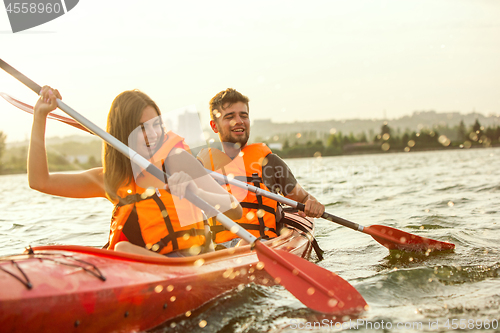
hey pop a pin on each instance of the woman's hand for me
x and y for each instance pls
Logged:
(47, 101)
(179, 183)
(207, 188)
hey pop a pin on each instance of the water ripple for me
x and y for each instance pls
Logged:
(445, 195)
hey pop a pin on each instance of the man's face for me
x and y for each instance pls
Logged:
(233, 124)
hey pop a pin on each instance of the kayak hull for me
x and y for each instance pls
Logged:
(82, 289)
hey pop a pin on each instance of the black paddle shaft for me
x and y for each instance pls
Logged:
(333, 218)
(339, 220)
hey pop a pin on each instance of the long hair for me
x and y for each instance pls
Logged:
(124, 116)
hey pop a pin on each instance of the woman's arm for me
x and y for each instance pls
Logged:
(179, 161)
(86, 184)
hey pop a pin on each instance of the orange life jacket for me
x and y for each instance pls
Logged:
(259, 213)
(149, 218)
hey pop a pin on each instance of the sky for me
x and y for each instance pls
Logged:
(295, 60)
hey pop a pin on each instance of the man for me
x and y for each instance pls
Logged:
(229, 113)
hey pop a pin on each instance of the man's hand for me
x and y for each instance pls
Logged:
(313, 208)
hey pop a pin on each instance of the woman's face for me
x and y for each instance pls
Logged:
(151, 133)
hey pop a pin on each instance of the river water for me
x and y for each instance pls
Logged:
(445, 195)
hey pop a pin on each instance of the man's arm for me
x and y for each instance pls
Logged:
(279, 178)
(313, 208)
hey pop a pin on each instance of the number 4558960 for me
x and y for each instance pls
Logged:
(463, 324)
(31, 7)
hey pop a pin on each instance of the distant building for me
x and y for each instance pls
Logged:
(262, 122)
(275, 146)
(82, 159)
(189, 126)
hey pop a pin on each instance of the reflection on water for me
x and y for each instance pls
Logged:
(33, 218)
(450, 196)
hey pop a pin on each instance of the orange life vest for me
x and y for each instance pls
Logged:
(259, 213)
(149, 218)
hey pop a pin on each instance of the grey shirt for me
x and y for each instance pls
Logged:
(277, 176)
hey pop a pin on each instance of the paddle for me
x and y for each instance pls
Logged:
(391, 238)
(28, 108)
(315, 287)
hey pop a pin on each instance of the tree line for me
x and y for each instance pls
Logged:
(390, 140)
(66, 156)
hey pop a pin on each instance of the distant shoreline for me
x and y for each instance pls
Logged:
(358, 152)
(414, 150)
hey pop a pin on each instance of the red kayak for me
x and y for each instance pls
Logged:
(82, 289)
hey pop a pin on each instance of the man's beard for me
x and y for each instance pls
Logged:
(241, 141)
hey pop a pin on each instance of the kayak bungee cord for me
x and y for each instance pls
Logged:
(84, 265)
(391, 238)
(26, 280)
(318, 289)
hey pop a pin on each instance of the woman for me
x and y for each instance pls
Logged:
(146, 220)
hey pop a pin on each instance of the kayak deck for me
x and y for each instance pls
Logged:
(81, 289)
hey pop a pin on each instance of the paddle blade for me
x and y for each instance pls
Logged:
(395, 239)
(28, 108)
(316, 287)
